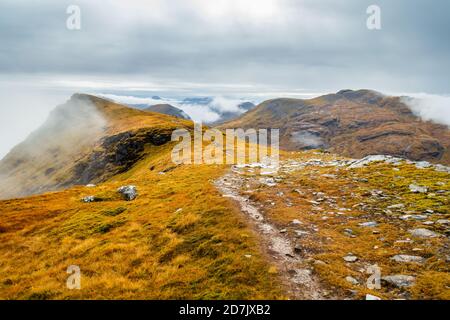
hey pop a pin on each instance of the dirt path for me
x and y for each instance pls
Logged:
(294, 273)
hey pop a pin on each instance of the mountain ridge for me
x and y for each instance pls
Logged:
(351, 123)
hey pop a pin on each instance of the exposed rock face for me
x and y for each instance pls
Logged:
(117, 154)
(351, 123)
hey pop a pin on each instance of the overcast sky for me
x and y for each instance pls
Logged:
(241, 48)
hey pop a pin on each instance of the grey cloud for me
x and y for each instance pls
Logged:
(309, 44)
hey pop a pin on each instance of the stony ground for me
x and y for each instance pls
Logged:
(350, 229)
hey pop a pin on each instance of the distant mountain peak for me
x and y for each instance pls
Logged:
(353, 123)
(168, 109)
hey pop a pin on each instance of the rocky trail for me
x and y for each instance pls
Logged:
(328, 224)
(279, 247)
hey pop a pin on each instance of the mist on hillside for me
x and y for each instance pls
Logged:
(22, 111)
(199, 109)
(69, 129)
(429, 107)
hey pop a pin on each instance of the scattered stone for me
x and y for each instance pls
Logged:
(423, 233)
(270, 182)
(90, 185)
(417, 189)
(349, 232)
(283, 230)
(372, 297)
(443, 221)
(441, 168)
(248, 256)
(428, 223)
(368, 224)
(350, 258)
(374, 158)
(296, 222)
(396, 206)
(129, 193)
(423, 164)
(399, 281)
(403, 258)
(319, 263)
(414, 217)
(89, 199)
(351, 280)
(300, 233)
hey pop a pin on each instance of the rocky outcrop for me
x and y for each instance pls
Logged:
(117, 154)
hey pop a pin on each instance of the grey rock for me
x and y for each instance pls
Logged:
(400, 280)
(403, 258)
(423, 233)
(351, 280)
(414, 217)
(300, 233)
(89, 199)
(128, 192)
(350, 258)
(423, 164)
(368, 224)
(374, 158)
(396, 206)
(417, 189)
(443, 221)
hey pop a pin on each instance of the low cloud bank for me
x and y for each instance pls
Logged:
(200, 109)
(429, 107)
(22, 111)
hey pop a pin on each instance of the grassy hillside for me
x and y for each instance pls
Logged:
(185, 237)
(180, 239)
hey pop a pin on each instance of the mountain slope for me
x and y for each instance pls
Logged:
(85, 140)
(351, 123)
(169, 110)
(309, 231)
(179, 239)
